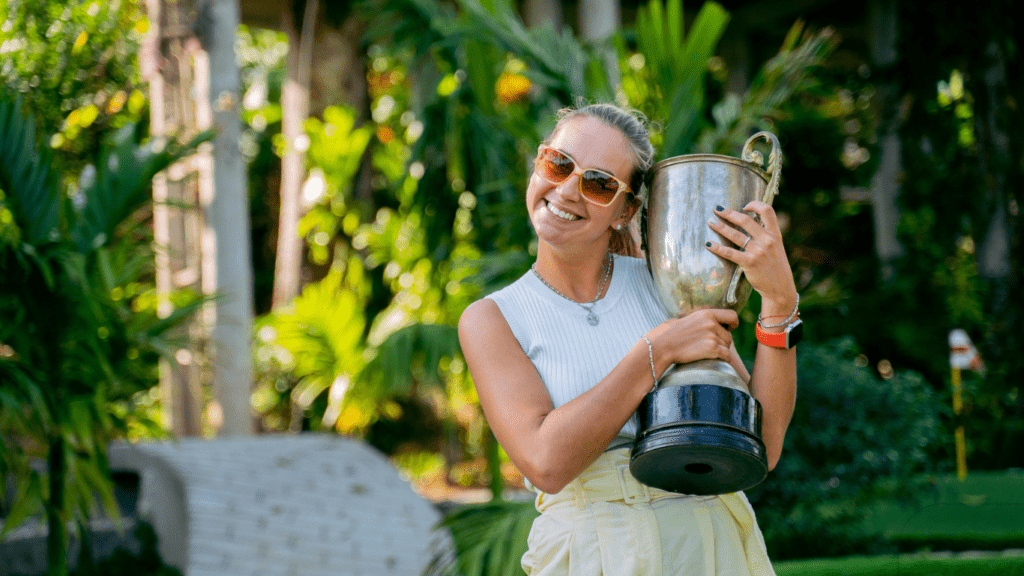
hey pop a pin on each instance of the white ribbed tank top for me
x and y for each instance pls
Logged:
(572, 356)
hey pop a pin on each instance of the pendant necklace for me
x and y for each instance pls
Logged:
(592, 318)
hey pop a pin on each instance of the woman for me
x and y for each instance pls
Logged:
(562, 358)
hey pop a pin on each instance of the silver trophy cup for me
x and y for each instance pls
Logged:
(700, 428)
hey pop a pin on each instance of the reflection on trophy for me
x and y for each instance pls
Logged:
(700, 428)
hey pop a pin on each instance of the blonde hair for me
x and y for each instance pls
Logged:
(633, 125)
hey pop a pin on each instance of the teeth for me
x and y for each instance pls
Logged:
(562, 215)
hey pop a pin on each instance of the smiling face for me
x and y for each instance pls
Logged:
(560, 215)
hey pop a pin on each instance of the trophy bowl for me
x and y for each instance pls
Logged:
(700, 428)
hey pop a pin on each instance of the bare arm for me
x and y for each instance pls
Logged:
(552, 446)
(774, 385)
(765, 264)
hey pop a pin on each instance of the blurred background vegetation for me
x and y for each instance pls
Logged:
(413, 209)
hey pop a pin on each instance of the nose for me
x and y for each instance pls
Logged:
(570, 189)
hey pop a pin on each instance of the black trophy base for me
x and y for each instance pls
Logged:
(699, 439)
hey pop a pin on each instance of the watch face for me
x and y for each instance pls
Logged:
(794, 333)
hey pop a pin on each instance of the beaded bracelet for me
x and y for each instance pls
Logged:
(792, 314)
(650, 354)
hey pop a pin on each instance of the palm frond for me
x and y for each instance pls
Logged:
(678, 65)
(409, 355)
(788, 73)
(490, 540)
(124, 175)
(30, 187)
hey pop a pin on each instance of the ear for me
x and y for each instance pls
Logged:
(629, 208)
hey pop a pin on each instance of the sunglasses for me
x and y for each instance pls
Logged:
(596, 186)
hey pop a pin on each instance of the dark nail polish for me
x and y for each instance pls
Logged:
(708, 244)
(719, 208)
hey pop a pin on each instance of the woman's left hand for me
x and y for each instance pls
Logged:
(762, 257)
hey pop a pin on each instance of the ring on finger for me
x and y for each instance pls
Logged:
(744, 245)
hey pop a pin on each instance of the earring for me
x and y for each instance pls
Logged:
(618, 227)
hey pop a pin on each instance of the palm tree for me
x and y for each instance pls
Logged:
(77, 336)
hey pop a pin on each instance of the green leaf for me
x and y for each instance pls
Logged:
(408, 355)
(83, 425)
(26, 503)
(675, 25)
(25, 176)
(678, 66)
(96, 477)
(122, 185)
(490, 539)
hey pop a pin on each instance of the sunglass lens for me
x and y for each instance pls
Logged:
(556, 166)
(598, 187)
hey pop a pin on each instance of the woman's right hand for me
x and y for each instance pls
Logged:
(701, 334)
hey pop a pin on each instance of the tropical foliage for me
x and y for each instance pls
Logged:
(855, 439)
(75, 64)
(81, 331)
(417, 211)
(462, 96)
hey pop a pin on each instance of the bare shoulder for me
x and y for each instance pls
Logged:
(486, 337)
(480, 318)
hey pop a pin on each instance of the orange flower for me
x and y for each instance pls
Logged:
(511, 87)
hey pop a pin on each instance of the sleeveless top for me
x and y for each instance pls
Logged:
(570, 355)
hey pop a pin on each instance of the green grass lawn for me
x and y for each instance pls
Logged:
(904, 565)
(984, 512)
(985, 507)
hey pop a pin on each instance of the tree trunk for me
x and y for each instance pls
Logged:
(339, 78)
(227, 256)
(599, 19)
(538, 13)
(295, 99)
(1003, 338)
(885, 184)
(56, 538)
(993, 143)
(497, 483)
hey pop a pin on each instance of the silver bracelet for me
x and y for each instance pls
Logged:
(796, 308)
(650, 354)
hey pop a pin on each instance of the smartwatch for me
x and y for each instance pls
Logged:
(786, 339)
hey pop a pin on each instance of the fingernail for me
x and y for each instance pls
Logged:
(719, 208)
(708, 244)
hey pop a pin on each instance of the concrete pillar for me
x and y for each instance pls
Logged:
(537, 13)
(599, 18)
(224, 197)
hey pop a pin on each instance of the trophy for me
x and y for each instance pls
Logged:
(700, 428)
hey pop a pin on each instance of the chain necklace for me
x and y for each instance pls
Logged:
(592, 318)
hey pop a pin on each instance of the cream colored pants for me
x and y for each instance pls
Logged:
(607, 523)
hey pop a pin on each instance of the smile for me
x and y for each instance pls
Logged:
(559, 213)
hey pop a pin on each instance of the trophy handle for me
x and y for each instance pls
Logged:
(772, 190)
(774, 162)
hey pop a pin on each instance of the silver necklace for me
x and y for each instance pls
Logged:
(592, 318)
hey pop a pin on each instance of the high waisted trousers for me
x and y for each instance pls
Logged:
(605, 522)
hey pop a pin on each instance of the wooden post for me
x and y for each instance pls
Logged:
(959, 435)
(166, 65)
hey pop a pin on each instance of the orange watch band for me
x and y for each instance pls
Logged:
(785, 339)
